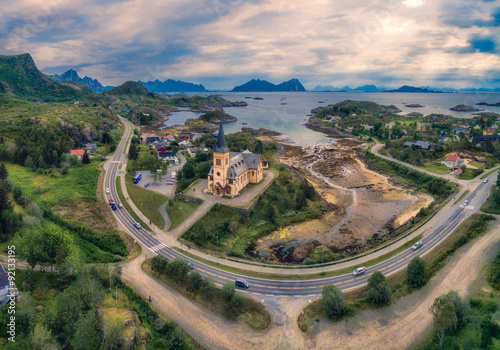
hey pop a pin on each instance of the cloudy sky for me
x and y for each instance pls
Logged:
(223, 43)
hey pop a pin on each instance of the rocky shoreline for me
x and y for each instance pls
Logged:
(330, 131)
(464, 108)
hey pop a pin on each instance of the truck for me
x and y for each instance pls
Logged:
(112, 204)
(174, 174)
(137, 178)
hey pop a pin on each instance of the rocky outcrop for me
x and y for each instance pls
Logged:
(260, 132)
(464, 108)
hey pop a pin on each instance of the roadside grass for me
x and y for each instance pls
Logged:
(254, 313)
(489, 206)
(477, 165)
(147, 201)
(436, 168)
(301, 276)
(488, 174)
(179, 210)
(127, 206)
(194, 183)
(468, 230)
(461, 197)
(469, 174)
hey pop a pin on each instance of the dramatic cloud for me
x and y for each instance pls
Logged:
(222, 43)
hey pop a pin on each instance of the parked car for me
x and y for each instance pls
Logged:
(241, 283)
(146, 184)
(137, 225)
(416, 245)
(170, 182)
(107, 190)
(359, 271)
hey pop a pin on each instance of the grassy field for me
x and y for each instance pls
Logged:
(147, 201)
(179, 210)
(488, 174)
(303, 276)
(489, 206)
(436, 168)
(468, 174)
(127, 206)
(254, 314)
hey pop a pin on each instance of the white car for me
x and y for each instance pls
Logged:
(465, 202)
(416, 245)
(485, 180)
(107, 190)
(359, 271)
(137, 225)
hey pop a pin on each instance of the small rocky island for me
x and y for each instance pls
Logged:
(464, 108)
(414, 105)
(260, 132)
(497, 104)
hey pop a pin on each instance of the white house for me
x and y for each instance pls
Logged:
(453, 161)
(4, 286)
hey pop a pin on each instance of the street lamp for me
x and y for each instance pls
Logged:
(217, 249)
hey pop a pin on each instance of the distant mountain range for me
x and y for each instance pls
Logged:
(404, 88)
(19, 77)
(72, 75)
(170, 85)
(263, 85)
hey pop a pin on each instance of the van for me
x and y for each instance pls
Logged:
(241, 283)
(174, 174)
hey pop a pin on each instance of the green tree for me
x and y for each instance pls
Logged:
(416, 272)
(133, 153)
(207, 289)
(227, 291)
(195, 280)
(85, 158)
(41, 338)
(333, 301)
(159, 264)
(5, 204)
(179, 341)
(378, 291)
(462, 308)
(189, 170)
(3, 172)
(28, 163)
(68, 308)
(444, 316)
(87, 335)
(113, 335)
(178, 270)
(235, 305)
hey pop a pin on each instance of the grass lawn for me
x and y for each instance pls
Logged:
(147, 201)
(477, 165)
(127, 206)
(467, 174)
(436, 167)
(489, 206)
(179, 210)
(254, 314)
(488, 174)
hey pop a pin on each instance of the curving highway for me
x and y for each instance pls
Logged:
(292, 287)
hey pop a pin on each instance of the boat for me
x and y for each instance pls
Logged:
(244, 123)
(283, 103)
(258, 98)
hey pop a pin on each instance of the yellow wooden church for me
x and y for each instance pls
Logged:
(232, 171)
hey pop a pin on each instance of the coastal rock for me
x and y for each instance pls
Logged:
(260, 132)
(414, 105)
(415, 114)
(497, 104)
(464, 108)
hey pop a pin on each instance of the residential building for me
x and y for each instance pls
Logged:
(457, 171)
(192, 151)
(482, 138)
(4, 286)
(490, 131)
(78, 152)
(91, 147)
(168, 156)
(232, 171)
(453, 161)
(419, 144)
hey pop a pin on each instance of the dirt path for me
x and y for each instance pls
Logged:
(397, 326)
(407, 320)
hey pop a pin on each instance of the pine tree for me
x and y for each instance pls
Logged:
(4, 199)
(3, 172)
(85, 158)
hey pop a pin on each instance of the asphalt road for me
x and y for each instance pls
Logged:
(299, 287)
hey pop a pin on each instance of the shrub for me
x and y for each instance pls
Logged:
(378, 290)
(416, 272)
(333, 301)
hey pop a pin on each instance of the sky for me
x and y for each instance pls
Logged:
(224, 43)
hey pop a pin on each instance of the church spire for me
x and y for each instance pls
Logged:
(221, 141)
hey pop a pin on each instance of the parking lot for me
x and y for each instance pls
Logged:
(160, 186)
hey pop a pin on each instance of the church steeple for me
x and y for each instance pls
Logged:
(221, 141)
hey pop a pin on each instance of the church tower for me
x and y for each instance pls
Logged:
(220, 163)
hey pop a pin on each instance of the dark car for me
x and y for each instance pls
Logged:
(191, 266)
(146, 184)
(241, 283)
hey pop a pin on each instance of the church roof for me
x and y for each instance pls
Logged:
(221, 141)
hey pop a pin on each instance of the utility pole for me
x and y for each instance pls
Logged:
(217, 249)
